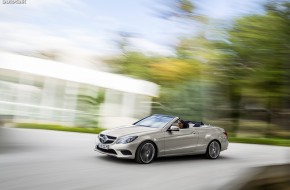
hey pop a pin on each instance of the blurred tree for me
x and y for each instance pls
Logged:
(167, 72)
(257, 60)
(181, 11)
(171, 71)
(253, 62)
(124, 41)
(189, 67)
(133, 64)
(203, 52)
(229, 74)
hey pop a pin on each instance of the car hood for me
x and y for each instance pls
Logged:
(129, 130)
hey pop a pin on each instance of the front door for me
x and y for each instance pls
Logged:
(183, 141)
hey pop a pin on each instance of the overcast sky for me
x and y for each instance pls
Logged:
(91, 27)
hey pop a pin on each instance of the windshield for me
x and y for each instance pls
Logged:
(155, 121)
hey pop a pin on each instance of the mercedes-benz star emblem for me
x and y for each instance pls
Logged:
(104, 139)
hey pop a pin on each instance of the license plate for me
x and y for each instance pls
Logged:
(103, 146)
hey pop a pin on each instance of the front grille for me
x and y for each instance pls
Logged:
(106, 139)
(110, 151)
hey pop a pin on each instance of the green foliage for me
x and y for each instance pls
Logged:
(262, 43)
(184, 100)
(133, 64)
(59, 128)
(179, 79)
(199, 49)
(170, 72)
(255, 62)
(161, 70)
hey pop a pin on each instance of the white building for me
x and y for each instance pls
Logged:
(39, 90)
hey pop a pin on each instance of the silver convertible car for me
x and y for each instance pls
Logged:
(160, 136)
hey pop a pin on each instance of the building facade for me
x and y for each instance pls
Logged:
(39, 90)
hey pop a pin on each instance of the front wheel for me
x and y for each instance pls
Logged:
(145, 153)
(213, 150)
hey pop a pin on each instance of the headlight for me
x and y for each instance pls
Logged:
(125, 140)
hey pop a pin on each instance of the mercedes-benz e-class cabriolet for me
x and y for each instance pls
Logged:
(162, 135)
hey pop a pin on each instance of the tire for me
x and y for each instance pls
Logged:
(213, 150)
(145, 153)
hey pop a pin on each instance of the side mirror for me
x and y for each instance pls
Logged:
(173, 128)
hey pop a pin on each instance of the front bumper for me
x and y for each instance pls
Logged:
(126, 151)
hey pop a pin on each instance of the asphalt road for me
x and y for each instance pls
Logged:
(46, 160)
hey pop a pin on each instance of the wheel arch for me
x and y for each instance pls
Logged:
(155, 146)
(212, 141)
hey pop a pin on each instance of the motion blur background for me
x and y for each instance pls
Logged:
(108, 63)
(85, 65)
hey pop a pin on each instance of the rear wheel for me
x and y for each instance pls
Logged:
(145, 153)
(213, 150)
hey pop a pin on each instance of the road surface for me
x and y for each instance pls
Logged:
(45, 160)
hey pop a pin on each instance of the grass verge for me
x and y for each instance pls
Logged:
(266, 141)
(95, 130)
